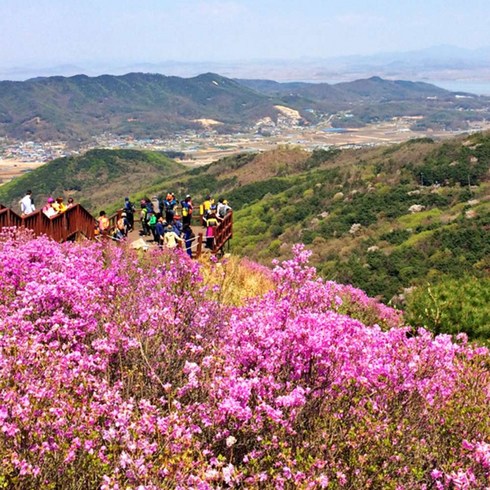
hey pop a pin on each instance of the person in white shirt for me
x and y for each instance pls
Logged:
(26, 204)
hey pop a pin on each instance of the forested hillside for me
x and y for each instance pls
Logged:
(135, 104)
(384, 219)
(392, 216)
(374, 99)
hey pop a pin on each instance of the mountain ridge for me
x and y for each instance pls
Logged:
(80, 107)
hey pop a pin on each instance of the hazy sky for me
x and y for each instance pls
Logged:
(44, 32)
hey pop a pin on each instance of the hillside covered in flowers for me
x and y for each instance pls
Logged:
(126, 371)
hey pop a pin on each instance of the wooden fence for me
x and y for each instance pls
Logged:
(75, 221)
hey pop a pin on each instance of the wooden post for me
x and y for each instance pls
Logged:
(199, 245)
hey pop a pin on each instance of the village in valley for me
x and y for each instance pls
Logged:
(193, 147)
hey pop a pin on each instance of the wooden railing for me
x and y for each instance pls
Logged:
(223, 232)
(9, 218)
(76, 220)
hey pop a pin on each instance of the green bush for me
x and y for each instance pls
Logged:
(452, 306)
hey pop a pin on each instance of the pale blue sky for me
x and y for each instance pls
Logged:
(43, 32)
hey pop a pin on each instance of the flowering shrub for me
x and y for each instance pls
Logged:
(119, 371)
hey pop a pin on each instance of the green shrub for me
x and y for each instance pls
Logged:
(453, 305)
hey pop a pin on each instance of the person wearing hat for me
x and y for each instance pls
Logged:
(48, 208)
(224, 209)
(171, 239)
(122, 226)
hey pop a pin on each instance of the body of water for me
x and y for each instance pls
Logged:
(473, 87)
(477, 87)
(336, 130)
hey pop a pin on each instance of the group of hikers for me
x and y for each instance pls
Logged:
(168, 220)
(51, 208)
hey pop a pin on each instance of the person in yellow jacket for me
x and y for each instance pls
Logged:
(170, 238)
(59, 206)
(205, 207)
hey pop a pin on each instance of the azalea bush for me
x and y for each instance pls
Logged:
(120, 371)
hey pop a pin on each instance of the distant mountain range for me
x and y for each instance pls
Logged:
(443, 62)
(151, 105)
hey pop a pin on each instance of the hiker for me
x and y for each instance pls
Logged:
(149, 205)
(187, 208)
(103, 223)
(170, 238)
(152, 223)
(48, 208)
(59, 206)
(156, 206)
(223, 208)
(145, 229)
(122, 226)
(169, 205)
(160, 229)
(129, 209)
(206, 206)
(188, 236)
(211, 223)
(27, 204)
(70, 203)
(177, 225)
